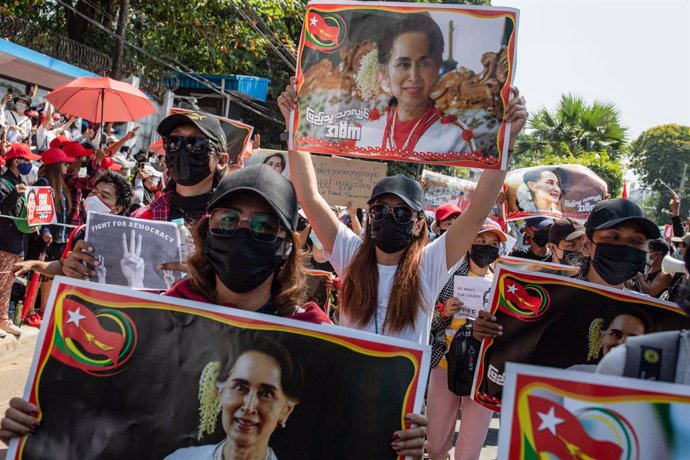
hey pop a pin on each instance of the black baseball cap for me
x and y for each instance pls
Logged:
(24, 97)
(539, 223)
(659, 245)
(207, 124)
(613, 212)
(565, 229)
(272, 186)
(408, 190)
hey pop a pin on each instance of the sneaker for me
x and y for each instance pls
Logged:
(11, 328)
(33, 320)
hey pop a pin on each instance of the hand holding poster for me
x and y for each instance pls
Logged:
(123, 374)
(440, 189)
(560, 322)
(40, 208)
(343, 180)
(129, 251)
(353, 99)
(551, 413)
(473, 292)
(553, 191)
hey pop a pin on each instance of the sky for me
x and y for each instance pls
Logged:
(635, 53)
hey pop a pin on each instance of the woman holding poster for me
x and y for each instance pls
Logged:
(410, 56)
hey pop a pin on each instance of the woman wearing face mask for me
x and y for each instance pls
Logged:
(614, 248)
(246, 258)
(18, 123)
(80, 185)
(536, 236)
(442, 404)
(18, 159)
(392, 277)
(147, 184)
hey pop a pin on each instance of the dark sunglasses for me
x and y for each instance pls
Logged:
(379, 211)
(192, 144)
(263, 226)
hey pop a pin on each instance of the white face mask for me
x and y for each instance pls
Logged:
(93, 203)
(20, 107)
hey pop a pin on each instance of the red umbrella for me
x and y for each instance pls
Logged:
(157, 147)
(101, 99)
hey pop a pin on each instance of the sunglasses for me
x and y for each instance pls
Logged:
(379, 211)
(192, 144)
(264, 227)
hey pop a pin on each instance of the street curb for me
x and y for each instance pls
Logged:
(13, 345)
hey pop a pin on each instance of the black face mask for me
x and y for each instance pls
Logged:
(617, 263)
(569, 257)
(241, 262)
(188, 168)
(540, 238)
(391, 236)
(483, 255)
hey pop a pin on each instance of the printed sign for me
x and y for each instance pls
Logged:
(355, 98)
(342, 180)
(40, 208)
(122, 374)
(276, 159)
(440, 189)
(473, 292)
(552, 413)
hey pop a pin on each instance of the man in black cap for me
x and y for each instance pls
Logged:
(16, 122)
(196, 158)
(654, 282)
(536, 235)
(565, 240)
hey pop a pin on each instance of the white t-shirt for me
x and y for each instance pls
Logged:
(434, 276)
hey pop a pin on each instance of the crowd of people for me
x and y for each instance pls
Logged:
(256, 233)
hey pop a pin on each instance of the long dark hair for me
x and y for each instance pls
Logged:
(53, 173)
(360, 285)
(414, 22)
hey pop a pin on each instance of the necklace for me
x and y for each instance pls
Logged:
(428, 118)
(218, 451)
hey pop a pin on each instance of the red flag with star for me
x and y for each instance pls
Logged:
(518, 295)
(317, 27)
(557, 431)
(81, 325)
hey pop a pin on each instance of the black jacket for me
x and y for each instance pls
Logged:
(11, 239)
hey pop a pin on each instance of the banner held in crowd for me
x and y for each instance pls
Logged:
(352, 100)
(528, 265)
(40, 208)
(129, 251)
(343, 180)
(559, 322)
(125, 374)
(559, 414)
(440, 189)
(553, 191)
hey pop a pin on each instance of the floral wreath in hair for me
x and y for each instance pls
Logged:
(525, 199)
(209, 399)
(594, 339)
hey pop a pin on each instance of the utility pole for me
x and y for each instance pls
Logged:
(682, 180)
(118, 53)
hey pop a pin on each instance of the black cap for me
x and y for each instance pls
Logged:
(565, 229)
(409, 190)
(539, 223)
(272, 186)
(659, 245)
(610, 213)
(207, 124)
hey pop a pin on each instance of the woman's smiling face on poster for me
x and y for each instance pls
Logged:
(253, 403)
(411, 71)
(547, 188)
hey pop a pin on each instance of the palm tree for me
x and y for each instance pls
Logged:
(576, 127)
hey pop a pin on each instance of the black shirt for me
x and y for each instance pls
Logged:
(189, 208)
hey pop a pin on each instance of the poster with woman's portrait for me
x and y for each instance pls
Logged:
(440, 189)
(121, 374)
(409, 82)
(276, 159)
(553, 191)
(560, 322)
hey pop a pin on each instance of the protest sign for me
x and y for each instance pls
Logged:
(130, 250)
(238, 135)
(473, 292)
(119, 373)
(553, 191)
(551, 413)
(559, 322)
(276, 159)
(40, 208)
(342, 180)
(668, 231)
(538, 266)
(440, 189)
(352, 100)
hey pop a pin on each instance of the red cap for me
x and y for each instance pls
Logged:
(446, 210)
(21, 150)
(75, 149)
(52, 156)
(109, 163)
(56, 116)
(58, 142)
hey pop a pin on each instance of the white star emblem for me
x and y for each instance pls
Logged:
(512, 289)
(313, 21)
(75, 316)
(549, 421)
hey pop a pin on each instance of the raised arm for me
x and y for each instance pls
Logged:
(322, 220)
(463, 231)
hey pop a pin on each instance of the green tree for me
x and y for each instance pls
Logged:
(661, 155)
(575, 127)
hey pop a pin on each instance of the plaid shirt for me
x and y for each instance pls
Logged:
(78, 188)
(159, 209)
